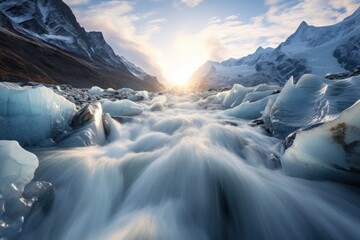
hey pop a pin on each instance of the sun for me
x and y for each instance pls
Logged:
(179, 75)
(180, 69)
(182, 58)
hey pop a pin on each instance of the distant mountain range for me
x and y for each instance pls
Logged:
(318, 50)
(41, 40)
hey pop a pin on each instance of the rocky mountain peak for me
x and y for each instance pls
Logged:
(52, 22)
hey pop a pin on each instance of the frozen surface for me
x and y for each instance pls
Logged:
(330, 151)
(234, 96)
(122, 108)
(30, 115)
(312, 100)
(250, 110)
(17, 168)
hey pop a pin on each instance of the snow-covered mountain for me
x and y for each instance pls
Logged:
(135, 70)
(318, 50)
(52, 22)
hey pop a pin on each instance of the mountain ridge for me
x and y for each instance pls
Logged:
(53, 23)
(310, 49)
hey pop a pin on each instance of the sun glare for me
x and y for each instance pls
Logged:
(182, 59)
(179, 74)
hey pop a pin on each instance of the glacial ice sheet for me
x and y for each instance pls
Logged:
(122, 108)
(330, 151)
(310, 101)
(30, 115)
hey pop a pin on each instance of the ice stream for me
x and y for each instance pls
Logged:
(188, 172)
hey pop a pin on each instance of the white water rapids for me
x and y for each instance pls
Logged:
(188, 172)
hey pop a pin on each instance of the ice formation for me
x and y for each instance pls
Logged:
(329, 151)
(16, 171)
(312, 100)
(30, 115)
(17, 168)
(122, 108)
(245, 102)
(234, 96)
(250, 110)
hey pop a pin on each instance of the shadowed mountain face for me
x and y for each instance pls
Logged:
(47, 44)
(310, 49)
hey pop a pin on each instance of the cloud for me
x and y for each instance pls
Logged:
(191, 3)
(229, 37)
(76, 2)
(118, 22)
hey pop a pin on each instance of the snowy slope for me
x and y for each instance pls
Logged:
(53, 22)
(135, 70)
(310, 49)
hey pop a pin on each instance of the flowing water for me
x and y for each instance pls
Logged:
(188, 172)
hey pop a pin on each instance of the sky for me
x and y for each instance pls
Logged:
(172, 38)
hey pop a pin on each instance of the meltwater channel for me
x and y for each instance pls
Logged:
(188, 172)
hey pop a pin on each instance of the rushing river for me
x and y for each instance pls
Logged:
(188, 172)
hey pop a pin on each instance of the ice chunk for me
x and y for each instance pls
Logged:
(30, 115)
(234, 96)
(219, 97)
(17, 192)
(122, 108)
(311, 101)
(17, 168)
(249, 110)
(97, 91)
(330, 151)
(255, 96)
